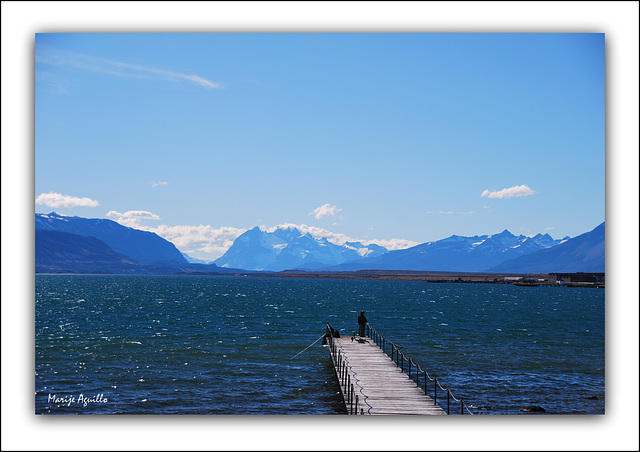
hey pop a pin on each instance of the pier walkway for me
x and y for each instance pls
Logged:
(372, 383)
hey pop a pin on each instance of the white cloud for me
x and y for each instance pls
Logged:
(324, 210)
(132, 218)
(391, 245)
(138, 214)
(49, 55)
(56, 200)
(511, 192)
(199, 240)
(450, 212)
(156, 184)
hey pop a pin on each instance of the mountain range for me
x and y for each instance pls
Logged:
(457, 253)
(288, 248)
(584, 253)
(74, 244)
(141, 246)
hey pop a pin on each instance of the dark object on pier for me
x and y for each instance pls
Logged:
(331, 331)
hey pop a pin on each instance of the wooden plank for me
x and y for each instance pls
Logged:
(382, 387)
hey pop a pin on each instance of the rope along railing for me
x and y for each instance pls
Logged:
(344, 372)
(399, 358)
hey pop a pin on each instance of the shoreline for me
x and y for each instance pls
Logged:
(577, 279)
(519, 279)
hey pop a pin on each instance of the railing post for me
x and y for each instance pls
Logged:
(402, 361)
(356, 404)
(448, 396)
(461, 406)
(435, 389)
(351, 392)
(425, 381)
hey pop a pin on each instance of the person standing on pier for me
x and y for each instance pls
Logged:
(362, 322)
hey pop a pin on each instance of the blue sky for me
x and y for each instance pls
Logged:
(395, 138)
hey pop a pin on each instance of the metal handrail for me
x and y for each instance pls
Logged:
(343, 373)
(395, 349)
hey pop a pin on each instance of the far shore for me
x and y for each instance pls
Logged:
(577, 279)
(523, 279)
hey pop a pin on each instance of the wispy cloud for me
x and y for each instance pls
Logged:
(511, 192)
(450, 212)
(324, 210)
(391, 244)
(47, 55)
(157, 184)
(57, 200)
(132, 218)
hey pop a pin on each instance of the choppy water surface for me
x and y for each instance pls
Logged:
(224, 345)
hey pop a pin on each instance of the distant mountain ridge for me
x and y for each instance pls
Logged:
(584, 253)
(456, 253)
(57, 251)
(141, 246)
(289, 248)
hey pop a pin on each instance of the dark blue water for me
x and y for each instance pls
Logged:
(224, 345)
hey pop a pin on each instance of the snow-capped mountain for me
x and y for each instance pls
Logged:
(457, 253)
(288, 248)
(584, 253)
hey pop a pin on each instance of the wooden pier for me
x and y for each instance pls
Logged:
(372, 383)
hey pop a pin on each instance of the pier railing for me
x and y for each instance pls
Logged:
(344, 372)
(407, 366)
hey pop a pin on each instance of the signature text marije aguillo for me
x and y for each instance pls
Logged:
(80, 400)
